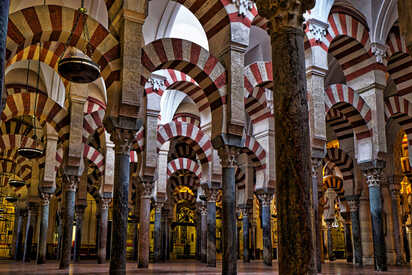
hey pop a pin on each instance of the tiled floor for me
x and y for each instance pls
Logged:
(182, 267)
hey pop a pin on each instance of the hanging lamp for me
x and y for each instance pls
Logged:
(33, 151)
(11, 199)
(13, 180)
(75, 66)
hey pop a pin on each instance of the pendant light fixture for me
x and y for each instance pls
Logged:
(75, 66)
(35, 150)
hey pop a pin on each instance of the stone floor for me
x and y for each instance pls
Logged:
(182, 267)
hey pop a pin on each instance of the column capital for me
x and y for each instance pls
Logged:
(228, 156)
(159, 206)
(379, 50)
(211, 193)
(316, 164)
(245, 209)
(265, 197)
(123, 140)
(373, 171)
(147, 188)
(284, 13)
(353, 202)
(79, 209)
(203, 209)
(71, 182)
(45, 199)
(104, 203)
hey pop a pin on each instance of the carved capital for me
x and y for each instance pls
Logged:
(211, 194)
(245, 209)
(71, 182)
(158, 206)
(45, 199)
(379, 51)
(284, 13)
(265, 198)
(243, 6)
(228, 156)
(147, 189)
(104, 203)
(317, 29)
(123, 140)
(353, 204)
(203, 209)
(316, 164)
(374, 177)
(157, 84)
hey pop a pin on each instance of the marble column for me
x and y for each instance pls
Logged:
(27, 223)
(353, 202)
(203, 230)
(253, 240)
(16, 233)
(406, 243)
(122, 139)
(211, 227)
(144, 241)
(293, 167)
(44, 226)
(104, 209)
(157, 231)
(348, 237)
(78, 234)
(395, 187)
(70, 184)
(228, 155)
(198, 236)
(373, 173)
(245, 223)
(4, 12)
(34, 210)
(265, 198)
(316, 195)
(331, 254)
(165, 244)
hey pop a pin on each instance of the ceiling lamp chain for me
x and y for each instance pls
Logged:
(75, 66)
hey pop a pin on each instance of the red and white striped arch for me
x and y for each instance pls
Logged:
(344, 162)
(94, 156)
(255, 151)
(352, 106)
(176, 129)
(46, 111)
(92, 122)
(340, 125)
(138, 144)
(188, 118)
(190, 180)
(198, 63)
(184, 164)
(399, 62)
(47, 23)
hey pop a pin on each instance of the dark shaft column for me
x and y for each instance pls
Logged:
(122, 141)
(203, 227)
(16, 233)
(405, 243)
(292, 144)
(157, 231)
(78, 234)
(198, 236)
(27, 238)
(245, 223)
(348, 237)
(102, 247)
(144, 244)
(211, 232)
(373, 178)
(317, 194)
(228, 156)
(253, 241)
(70, 184)
(44, 226)
(396, 221)
(4, 14)
(265, 199)
(356, 231)
(331, 254)
(165, 244)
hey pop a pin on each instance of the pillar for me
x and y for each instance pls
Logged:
(353, 202)
(245, 224)
(394, 188)
(144, 242)
(253, 239)
(331, 254)
(203, 233)
(406, 243)
(373, 173)
(16, 233)
(70, 184)
(198, 236)
(27, 238)
(165, 237)
(211, 227)
(44, 226)
(228, 155)
(34, 214)
(4, 11)
(316, 195)
(293, 167)
(348, 237)
(78, 234)
(102, 247)
(265, 199)
(157, 231)
(122, 139)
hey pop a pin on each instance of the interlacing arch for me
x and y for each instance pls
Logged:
(94, 156)
(188, 118)
(92, 122)
(17, 165)
(255, 151)
(352, 106)
(400, 110)
(190, 58)
(339, 123)
(184, 164)
(175, 129)
(48, 23)
(399, 62)
(189, 180)
(46, 111)
(344, 162)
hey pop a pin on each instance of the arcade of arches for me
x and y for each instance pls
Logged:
(229, 135)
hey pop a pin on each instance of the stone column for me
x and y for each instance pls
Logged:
(405, 241)
(265, 198)
(253, 239)
(26, 235)
(122, 139)
(348, 236)
(395, 188)
(331, 254)
(16, 233)
(373, 173)
(245, 223)
(104, 209)
(44, 226)
(198, 236)
(78, 235)
(293, 167)
(70, 184)
(157, 231)
(144, 242)
(228, 155)
(203, 230)
(316, 220)
(4, 12)
(211, 227)
(34, 209)
(353, 202)
(165, 229)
